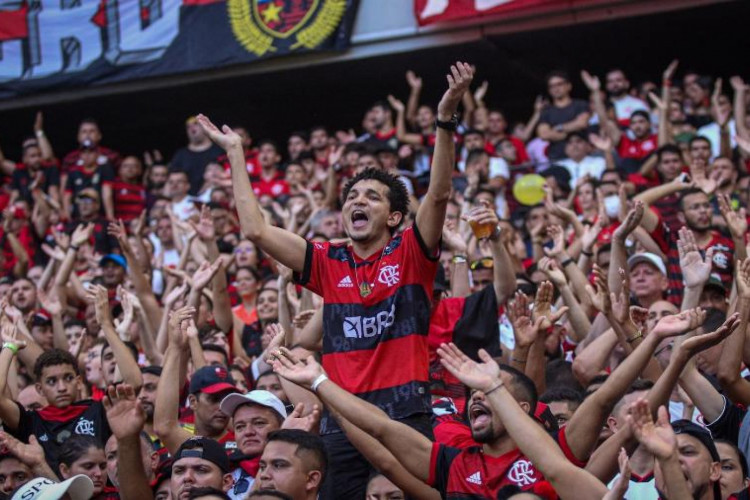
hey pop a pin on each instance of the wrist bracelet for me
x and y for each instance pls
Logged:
(11, 346)
(517, 360)
(635, 337)
(496, 233)
(566, 262)
(587, 254)
(498, 386)
(76, 248)
(321, 378)
(459, 259)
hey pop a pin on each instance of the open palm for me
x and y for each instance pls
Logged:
(302, 373)
(481, 376)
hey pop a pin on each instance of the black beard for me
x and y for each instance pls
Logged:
(486, 436)
(697, 229)
(619, 93)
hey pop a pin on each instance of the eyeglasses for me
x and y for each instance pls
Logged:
(483, 263)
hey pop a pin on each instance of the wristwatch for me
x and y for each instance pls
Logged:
(459, 259)
(451, 125)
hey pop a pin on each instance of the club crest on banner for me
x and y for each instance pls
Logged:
(261, 25)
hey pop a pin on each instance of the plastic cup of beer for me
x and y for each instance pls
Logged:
(480, 230)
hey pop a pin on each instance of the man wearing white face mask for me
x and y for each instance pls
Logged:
(579, 161)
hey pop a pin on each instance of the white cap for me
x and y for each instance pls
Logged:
(649, 258)
(259, 397)
(79, 487)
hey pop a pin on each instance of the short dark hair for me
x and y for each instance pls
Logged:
(306, 443)
(475, 154)
(298, 133)
(269, 493)
(398, 197)
(522, 387)
(688, 192)
(75, 447)
(557, 73)
(642, 113)
(215, 348)
(206, 491)
(668, 148)
(54, 357)
(698, 138)
(561, 394)
(384, 105)
(270, 143)
(175, 171)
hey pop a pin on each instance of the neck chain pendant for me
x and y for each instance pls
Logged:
(365, 289)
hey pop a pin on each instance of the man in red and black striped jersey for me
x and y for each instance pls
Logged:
(377, 290)
(515, 451)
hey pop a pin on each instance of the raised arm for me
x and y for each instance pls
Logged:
(583, 428)
(605, 124)
(648, 197)
(126, 363)
(411, 449)
(126, 418)
(9, 411)
(415, 89)
(619, 257)
(288, 248)
(730, 362)
(740, 111)
(401, 133)
(431, 213)
(222, 305)
(534, 442)
(167, 407)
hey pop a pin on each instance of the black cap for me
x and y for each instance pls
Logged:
(212, 379)
(152, 370)
(700, 433)
(205, 448)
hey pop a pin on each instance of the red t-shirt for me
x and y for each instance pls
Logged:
(637, 148)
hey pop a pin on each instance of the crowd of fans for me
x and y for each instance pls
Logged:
(396, 314)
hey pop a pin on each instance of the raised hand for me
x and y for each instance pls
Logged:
(397, 105)
(453, 239)
(558, 241)
(600, 297)
(481, 92)
(669, 71)
(543, 306)
(295, 420)
(737, 83)
(621, 485)
(701, 180)
(736, 220)
(743, 278)
(601, 142)
(639, 317)
(482, 376)
(205, 226)
(555, 208)
(698, 343)
(174, 295)
(621, 302)
(226, 138)
(657, 437)
(49, 302)
(524, 331)
(98, 296)
(174, 328)
(631, 221)
(274, 333)
(413, 80)
(540, 103)
(677, 324)
(459, 81)
(695, 269)
(125, 414)
(302, 373)
(553, 271)
(204, 274)
(39, 122)
(590, 234)
(657, 101)
(82, 234)
(31, 454)
(591, 81)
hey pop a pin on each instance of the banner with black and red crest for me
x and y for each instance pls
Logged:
(56, 44)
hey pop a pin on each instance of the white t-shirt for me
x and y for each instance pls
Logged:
(625, 106)
(712, 132)
(185, 208)
(594, 166)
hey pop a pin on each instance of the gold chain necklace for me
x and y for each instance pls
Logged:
(366, 288)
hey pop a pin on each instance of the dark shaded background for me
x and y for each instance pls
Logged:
(711, 40)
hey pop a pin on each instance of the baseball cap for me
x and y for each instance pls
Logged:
(89, 193)
(41, 318)
(543, 415)
(258, 397)
(211, 379)
(714, 281)
(114, 258)
(704, 436)
(79, 487)
(205, 448)
(649, 258)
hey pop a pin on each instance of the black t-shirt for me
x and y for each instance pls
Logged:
(53, 426)
(727, 426)
(23, 177)
(79, 179)
(102, 241)
(194, 163)
(553, 116)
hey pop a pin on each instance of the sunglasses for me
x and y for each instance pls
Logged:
(483, 263)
